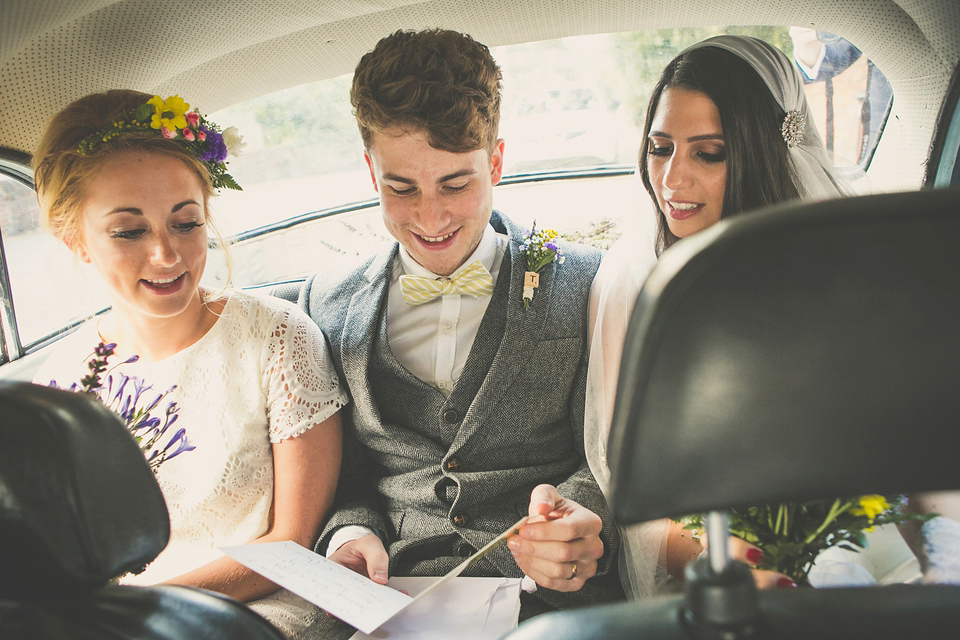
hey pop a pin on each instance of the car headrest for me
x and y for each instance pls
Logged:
(78, 503)
(798, 353)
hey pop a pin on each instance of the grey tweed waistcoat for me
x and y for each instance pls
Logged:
(406, 401)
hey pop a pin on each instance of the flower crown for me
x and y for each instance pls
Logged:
(171, 119)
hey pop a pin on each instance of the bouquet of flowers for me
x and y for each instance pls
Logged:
(791, 535)
(134, 401)
(539, 250)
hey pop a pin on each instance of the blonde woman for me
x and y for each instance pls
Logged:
(124, 180)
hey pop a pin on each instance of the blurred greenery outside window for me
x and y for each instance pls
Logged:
(49, 287)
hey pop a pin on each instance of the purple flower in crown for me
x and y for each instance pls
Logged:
(214, 149)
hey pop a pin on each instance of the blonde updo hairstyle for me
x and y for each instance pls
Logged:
(62, 173)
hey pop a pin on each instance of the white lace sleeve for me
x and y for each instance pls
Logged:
(301, 383)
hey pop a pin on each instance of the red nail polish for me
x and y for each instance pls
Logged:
(754, 556)
(786, 582)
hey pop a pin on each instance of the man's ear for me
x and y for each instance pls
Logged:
(496, 162)
(373, 176)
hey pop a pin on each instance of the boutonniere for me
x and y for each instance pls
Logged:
(539, 250)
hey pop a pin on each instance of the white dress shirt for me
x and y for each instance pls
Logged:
(432, 340)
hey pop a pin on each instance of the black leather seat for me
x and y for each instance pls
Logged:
(799, 353)
(78, 507)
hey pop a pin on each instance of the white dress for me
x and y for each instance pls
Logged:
(260, 375)
(612, 298)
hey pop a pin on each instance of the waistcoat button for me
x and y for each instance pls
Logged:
(450, 416)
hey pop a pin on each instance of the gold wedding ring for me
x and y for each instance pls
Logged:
(573, 571)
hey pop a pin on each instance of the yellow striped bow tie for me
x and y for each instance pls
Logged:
(474, 280)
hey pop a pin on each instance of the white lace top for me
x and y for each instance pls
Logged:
(260, 375)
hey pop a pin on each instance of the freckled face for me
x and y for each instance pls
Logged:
(686, 160)
(435, 203)
(142, 228)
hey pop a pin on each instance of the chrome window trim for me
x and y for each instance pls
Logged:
(944, 161)
(15, 165)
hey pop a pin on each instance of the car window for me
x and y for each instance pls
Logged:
(849, 96)
(571, 118)
(570, 105)
(49, 288)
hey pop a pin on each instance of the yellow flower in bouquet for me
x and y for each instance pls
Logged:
(870, 506)
(792, 535)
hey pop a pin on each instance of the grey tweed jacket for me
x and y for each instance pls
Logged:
(434, 497)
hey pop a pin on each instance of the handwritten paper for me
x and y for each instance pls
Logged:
(353, 598)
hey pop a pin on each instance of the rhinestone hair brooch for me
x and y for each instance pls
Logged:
(172, 119)
(792, 127)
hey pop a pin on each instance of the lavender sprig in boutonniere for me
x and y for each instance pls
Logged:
(134, 401)
(539, 250)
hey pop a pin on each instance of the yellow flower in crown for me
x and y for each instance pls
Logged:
(870, 506)
(169, 113)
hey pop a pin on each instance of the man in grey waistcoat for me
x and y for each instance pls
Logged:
(467, 404)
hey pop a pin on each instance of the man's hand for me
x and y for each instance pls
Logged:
(560, 544)
(364, 555)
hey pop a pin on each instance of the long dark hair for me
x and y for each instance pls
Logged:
(759, 170)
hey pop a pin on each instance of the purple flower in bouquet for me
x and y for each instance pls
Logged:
(134, 400)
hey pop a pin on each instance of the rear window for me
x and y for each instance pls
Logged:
(572, 107)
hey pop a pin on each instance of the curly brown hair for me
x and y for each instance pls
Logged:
(440, 82)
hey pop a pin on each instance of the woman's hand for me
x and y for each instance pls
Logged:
(751, 555)
(683, 547)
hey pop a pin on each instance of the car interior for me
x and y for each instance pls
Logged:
(280, 70)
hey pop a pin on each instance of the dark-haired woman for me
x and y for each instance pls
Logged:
(727, 131)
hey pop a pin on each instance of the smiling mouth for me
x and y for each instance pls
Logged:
(682, 210)
(434, 239)
(165, 283)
